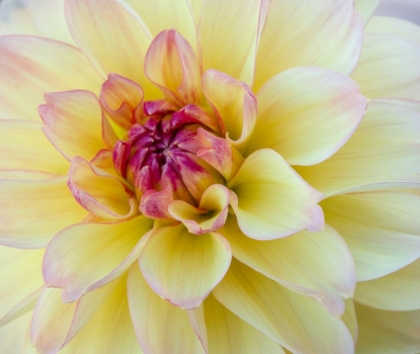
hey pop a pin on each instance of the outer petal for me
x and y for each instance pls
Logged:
(30, 66)
(387, 331)
(398, 291)
(13, 336)
(86, 256)
(394, 26)
(298, 323)
(229, 334)
(33, 212)
(73, 123)
(382, 230)
(103, 29)
(383, 151)
(20, 281)
(184, 268)
(24, 146)
(227, 34)
(317, 265)
(272, 200)
(284, 44)
(366, 8)
(171, 64)
(233, 103)
(388, 67)
(307, 124)
(43, 18)
(160, 327)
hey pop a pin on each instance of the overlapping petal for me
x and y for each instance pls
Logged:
(183, 268)
(292, 120)
(271, 201)
(14, 336)
(394, 26)
(366, 8)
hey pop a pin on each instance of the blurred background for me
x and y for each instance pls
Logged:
(405, 9)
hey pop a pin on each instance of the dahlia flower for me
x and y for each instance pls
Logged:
(208, 176)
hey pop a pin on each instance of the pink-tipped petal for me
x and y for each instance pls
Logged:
(154, 204)
(183, 268)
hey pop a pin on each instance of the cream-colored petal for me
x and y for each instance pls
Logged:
(24, 146)
(43, 18)
(398, 291)
(227, 33)
(20, 281)
(228, 334)
(307, 114)
(32, 212)
(160, 15)
(383, 151)
(296, 322)
(84, 257)
(317, 265)
(112, 37)
(183, 268)
(99, 192)
(160, 327)
(350, 320)
(394, 26)
(233, 103)
(388, 67)
(387, 332)
(172, 65)
(31, 66)
(73, 123)
(382, 229)
(14, 336)
(309, 33)
(272, 201)
(366, 8)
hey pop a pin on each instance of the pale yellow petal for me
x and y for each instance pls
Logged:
(14, 336)
(366, 8)
(309, 33)
(388, 67)
(382, 229)
(31, 66)
(395, 26)
(272, 201)
(307, 123)
(383, 151)
(350, 320)
(160, 327)
(183, 268)
(298, 323)
(35, 211)
(86, 256)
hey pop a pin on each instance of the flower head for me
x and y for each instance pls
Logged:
(208, 177)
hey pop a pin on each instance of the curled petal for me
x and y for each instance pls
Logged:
(209, 216)
(272, 200)
(172, 65)
(183, 268)
(154, 204)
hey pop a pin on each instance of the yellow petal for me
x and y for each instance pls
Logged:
(296, 322)
(382, 229)
(73, 123)
(20, 281)
(227, 33)
(350, 320)
(307, 124)
(387, 332)
(24, 146)
(160, 327)
(228, 334)
(35, 211)
(14, 336)
(183, 268)
(394, 26)
(234, 104)
(103, 29)
(366, 8)
(317, 265)
(295, 35)
(84, 257)
(273, 201)
(388, 67)
(43, 18)
(31, 66)
(383, 151)
(398, 291)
